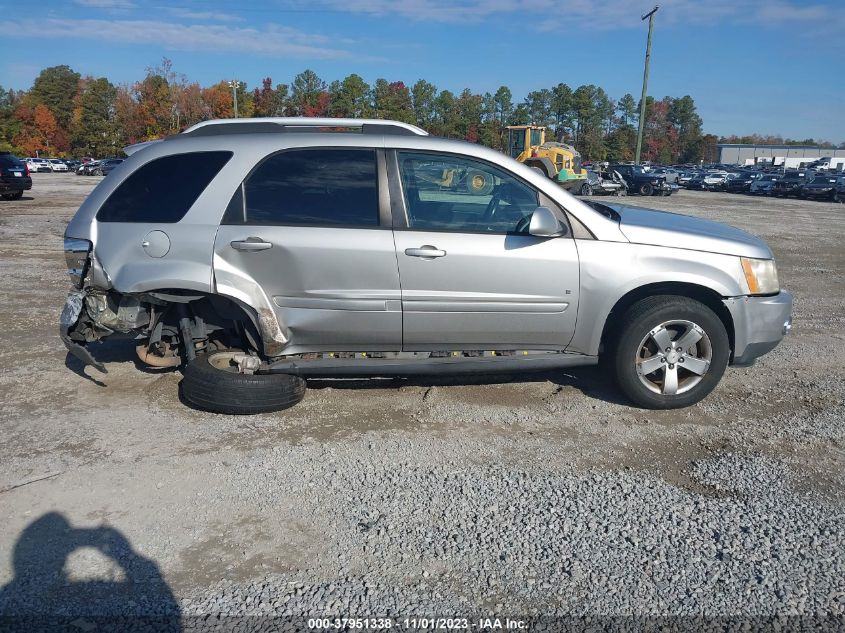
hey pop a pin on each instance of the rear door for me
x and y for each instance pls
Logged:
(472, 277)
(311, 230)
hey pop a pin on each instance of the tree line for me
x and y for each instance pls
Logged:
(66, 114)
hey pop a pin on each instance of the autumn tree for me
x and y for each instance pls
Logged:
(392, 100)
(308, 95)
(9, 125)
(217, 101)
(93, 132)
(55, 87)
(269, 101)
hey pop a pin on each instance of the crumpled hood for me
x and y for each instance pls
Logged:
(661, 228)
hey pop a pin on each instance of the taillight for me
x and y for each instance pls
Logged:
(76, 256)
(26, 168)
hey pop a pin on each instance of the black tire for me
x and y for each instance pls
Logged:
(98, 172)
(839, 197)
(15, 195)
(642, 320)
(211, 389)
(646, 189)
(586, 189)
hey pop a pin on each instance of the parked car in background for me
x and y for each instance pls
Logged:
(791, 183)
(57, 164)
(763, 185)
(107, 166)
(741, 183)
(822, 187)
(696, 181)
(14, 176)
(38, 164)
(72, 165)
(669, 174)
(601, 184)
(641, 181)
(258, 259)
(840, 189)
(684, 177)
(87, 169)
(714, 181)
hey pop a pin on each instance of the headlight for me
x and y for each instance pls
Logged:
(761, 276)
(76, 257)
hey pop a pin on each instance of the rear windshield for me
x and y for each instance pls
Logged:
(164, 189)
(9, 160)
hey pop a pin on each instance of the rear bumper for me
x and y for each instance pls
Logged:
(760, 323)
(15, 184)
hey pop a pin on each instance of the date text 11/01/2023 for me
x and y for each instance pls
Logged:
(418, 624)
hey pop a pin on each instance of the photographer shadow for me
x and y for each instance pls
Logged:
(44, 593)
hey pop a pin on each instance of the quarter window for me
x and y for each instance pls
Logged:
(458, 194)
(324, 187)
(163, 190)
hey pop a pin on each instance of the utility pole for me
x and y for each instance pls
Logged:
(650, 16)
(234, 85)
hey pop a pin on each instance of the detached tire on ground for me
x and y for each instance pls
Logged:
(671, 352)
(212, 384)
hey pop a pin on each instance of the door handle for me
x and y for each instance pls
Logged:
(427, 251)
(251, 244)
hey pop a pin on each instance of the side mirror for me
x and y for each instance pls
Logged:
(544, 223)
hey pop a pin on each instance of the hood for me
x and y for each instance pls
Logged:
(660, 228)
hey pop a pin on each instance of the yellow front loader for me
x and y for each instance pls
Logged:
(559, 161)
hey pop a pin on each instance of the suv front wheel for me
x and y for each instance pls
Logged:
(671, 352)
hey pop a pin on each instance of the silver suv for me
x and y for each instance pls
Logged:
(260, 252)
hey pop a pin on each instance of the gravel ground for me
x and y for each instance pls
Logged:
(542, 497)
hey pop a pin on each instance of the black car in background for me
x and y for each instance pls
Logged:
(791, 184)
(641, 181)
(822, 187)
(840, 190)
(696, 182)
(14, 176)
(742, 182)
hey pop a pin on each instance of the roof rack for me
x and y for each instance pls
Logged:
(219, 127)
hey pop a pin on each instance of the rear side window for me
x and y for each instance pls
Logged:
(164, 189)
(317, 187)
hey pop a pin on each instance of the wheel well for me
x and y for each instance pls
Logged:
(705, 295)
(216, 312)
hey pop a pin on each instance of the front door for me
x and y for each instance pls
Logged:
(305, 231)
(472, 277)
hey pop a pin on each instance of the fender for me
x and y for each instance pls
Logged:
(602, 285)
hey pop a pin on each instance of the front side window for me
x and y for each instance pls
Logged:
(324, 187)
(163, 190)
(453, 193)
